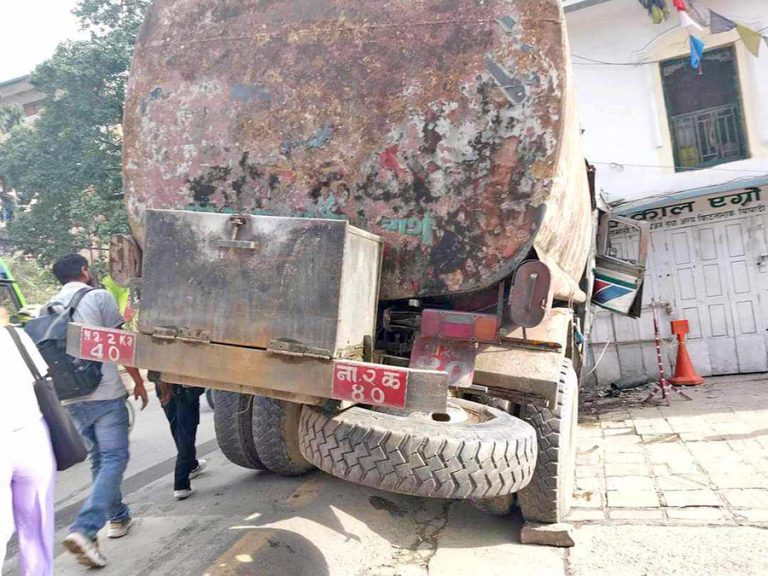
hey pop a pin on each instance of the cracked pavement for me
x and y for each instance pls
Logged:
(244, 523)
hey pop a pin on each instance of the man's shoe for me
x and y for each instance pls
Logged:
(201, 465)
(182, 494)
(119, 528)
(86, 550)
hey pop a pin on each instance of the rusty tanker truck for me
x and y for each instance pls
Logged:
(369, 227)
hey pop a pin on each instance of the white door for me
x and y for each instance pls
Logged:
(757, 260)
(717, 290)
(744, 296)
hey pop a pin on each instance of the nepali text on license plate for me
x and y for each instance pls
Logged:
(107, 345)
(370, 384)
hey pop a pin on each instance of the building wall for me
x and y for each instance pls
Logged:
(709, 269)
(626, 132)
(20, 92)
(708, 264)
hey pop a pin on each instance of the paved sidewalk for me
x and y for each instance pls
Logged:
(698, 462)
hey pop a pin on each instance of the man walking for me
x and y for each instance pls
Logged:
(182, 409)
(101, 417)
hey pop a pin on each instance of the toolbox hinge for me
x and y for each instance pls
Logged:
(287, 348)
(187, 335)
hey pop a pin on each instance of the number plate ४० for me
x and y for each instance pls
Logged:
(105, 345)
(370, 384)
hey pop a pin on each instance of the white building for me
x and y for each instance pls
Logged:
(687, 151)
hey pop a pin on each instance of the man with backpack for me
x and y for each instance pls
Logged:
(101, 416)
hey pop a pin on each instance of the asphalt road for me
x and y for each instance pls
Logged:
(241, 522)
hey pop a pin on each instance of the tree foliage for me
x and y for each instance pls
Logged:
(36, 282)
(10, 116)
(67, 165)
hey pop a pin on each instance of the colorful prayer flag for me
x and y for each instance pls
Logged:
(751, 39)
(697, 51)
(657, 9)
(719, 24)
(688, 22)
(698, 13)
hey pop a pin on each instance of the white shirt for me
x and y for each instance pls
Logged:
(97, 308)
(18, 403)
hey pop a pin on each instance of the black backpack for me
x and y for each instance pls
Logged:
(72, 377)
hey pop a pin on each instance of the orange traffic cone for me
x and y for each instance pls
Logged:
(685, 373)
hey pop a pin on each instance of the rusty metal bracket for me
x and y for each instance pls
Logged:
(181, 334)
(192, 336)
(297, 349)
(529, 294)
(238, 221)
(164, 333)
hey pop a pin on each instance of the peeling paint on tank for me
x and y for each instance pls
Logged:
(249, 92)
(384, 113)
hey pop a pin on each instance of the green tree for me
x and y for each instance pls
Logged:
(10, 116)
(67, 166)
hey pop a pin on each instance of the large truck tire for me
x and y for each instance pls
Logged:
(501, 505)
(233, 422)
(480, 452)
(548, 496)
(276, 436)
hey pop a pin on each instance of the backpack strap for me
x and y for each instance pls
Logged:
(69, 310)
(72, 306)
(73, 302)
(24, 353)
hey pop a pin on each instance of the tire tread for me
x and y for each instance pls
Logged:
(372, 449)
(232, 416)
(276, 439)
(540, 500)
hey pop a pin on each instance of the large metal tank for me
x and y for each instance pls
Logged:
(445, 126)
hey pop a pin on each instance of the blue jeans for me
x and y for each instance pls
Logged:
(104, 425)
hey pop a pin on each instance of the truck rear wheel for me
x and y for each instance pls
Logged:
(276, 436)
(548, 497)
(476, 452)
(233, 422)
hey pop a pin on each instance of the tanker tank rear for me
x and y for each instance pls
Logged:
(447, 127)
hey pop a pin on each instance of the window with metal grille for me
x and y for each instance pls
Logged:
(704, 110)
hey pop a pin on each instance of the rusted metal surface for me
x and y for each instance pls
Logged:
(553, 333)
(124, 259)
(529, 294)
(529, 373)
(239, 388)
(525, 367)
(443, 126)
(260, 372)
(293, 285)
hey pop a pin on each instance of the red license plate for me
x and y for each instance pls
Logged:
(370, 384)
(106, 345)
(452, 356)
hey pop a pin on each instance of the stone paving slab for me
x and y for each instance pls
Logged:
(700, 462)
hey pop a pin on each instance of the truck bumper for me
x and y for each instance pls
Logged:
(525, 367)
(254, 371)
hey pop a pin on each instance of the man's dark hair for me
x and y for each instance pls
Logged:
(69, 268)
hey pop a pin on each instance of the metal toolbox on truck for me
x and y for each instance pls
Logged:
(299, 286)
